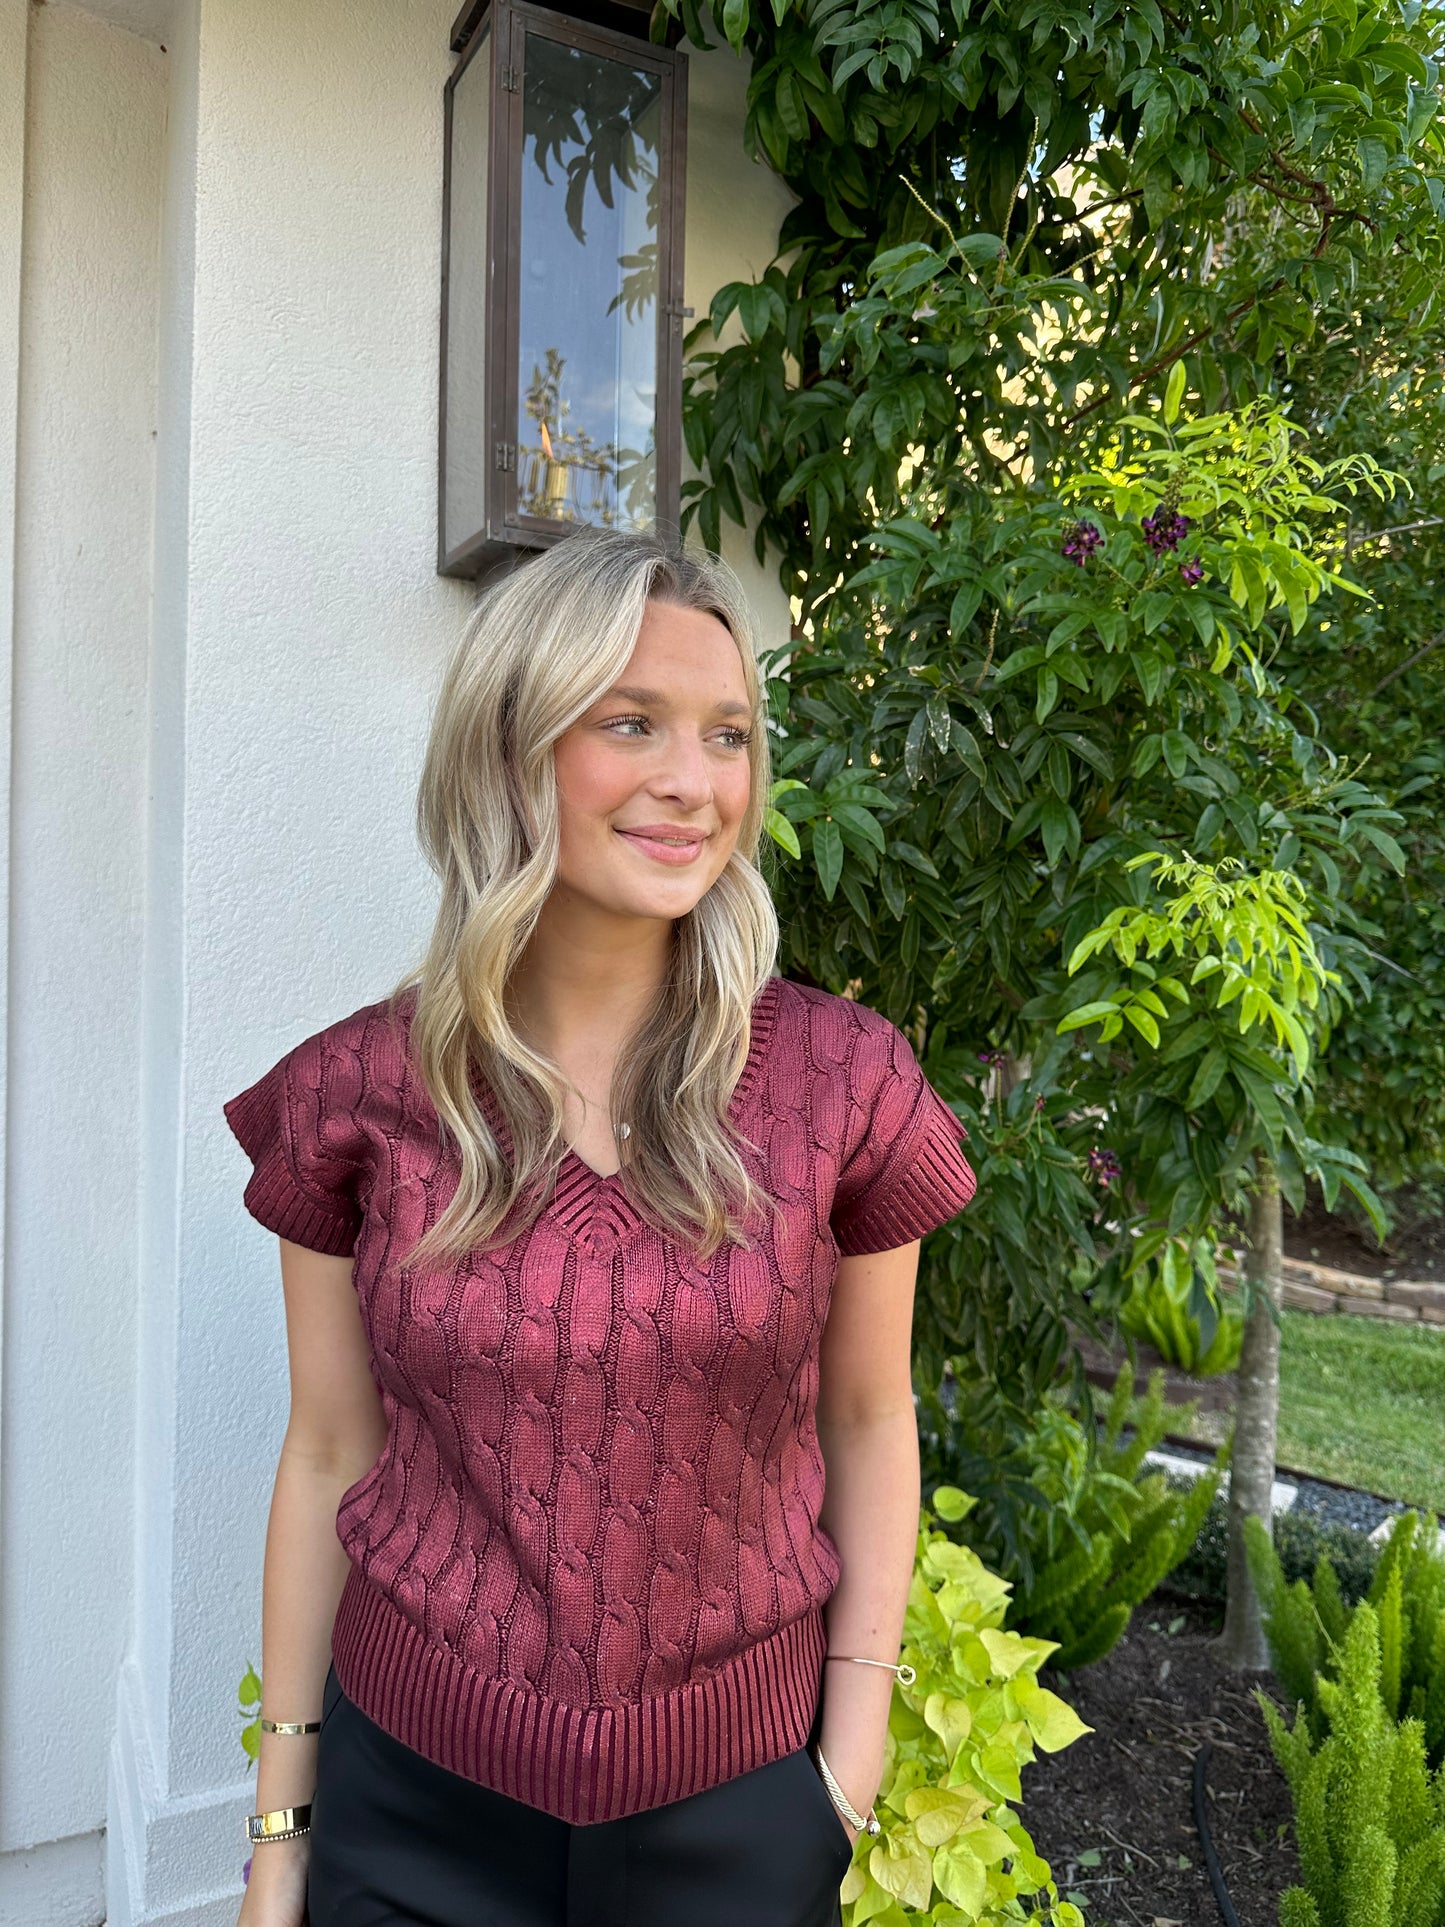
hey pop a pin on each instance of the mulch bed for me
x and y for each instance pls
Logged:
(1416, 1246)
(1113, 1813)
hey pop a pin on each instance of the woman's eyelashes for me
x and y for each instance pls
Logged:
(736, 736)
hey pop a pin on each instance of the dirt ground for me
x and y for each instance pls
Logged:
(1113, 1813)
(1415, 1249)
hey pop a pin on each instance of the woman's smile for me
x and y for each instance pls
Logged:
(664, 843)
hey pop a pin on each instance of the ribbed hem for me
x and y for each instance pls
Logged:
(272, 1195)
(928, 1182)
(583, 1764)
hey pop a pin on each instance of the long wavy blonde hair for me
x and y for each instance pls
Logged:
(544, 644)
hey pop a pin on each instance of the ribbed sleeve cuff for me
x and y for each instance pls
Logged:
(272, 1195)
(928, 1181)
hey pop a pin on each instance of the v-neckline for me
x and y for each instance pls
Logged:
(579, 1186)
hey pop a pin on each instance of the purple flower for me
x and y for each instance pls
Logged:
(1191, 571)
(1039, 1103)
(1165, 529)
(1080, 541)
(993, 1058)
(1104, 1164)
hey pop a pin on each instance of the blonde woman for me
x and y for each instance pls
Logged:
(594, 1518)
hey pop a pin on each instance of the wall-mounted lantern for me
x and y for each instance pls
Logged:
(562, 312)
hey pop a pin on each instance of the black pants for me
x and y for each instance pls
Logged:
(397, 1841)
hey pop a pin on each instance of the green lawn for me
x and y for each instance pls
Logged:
(1363, 1401)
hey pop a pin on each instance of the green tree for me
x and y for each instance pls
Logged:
(1040, 601)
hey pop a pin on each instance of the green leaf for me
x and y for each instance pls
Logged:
(913, 857)
(861, 820)
(1088, 1014)
(828, 854)
(1146, 1026)
(249, 1691)
(951, 1504)
(782, 832)
(1174, 393)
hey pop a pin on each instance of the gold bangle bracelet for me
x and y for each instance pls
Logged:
(281, 1823)
(290, 1726)
(906, 1673)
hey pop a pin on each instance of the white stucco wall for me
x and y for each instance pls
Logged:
(228, 641)
(735, 207)
(82, 620)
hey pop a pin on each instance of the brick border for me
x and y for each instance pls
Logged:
(1320, 1288)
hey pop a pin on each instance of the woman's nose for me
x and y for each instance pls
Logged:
(684, 772)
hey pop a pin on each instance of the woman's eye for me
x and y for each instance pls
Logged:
(738, 738)
(627, 722)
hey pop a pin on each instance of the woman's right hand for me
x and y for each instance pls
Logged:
(276, 1890)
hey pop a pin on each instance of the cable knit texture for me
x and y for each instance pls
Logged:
(587, 1569)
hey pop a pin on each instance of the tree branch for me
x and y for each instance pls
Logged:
(1409, 663)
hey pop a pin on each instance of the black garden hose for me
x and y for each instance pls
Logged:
(1206, 1840)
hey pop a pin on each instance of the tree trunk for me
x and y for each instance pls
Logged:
(1251, 1478)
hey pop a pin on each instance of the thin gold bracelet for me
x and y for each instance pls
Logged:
(290, 1726)
(906, 1673)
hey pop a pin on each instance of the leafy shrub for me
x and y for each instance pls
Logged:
(1175, 1304)
(1369, 1821)
(1307, 1626)
(952, 1849)
(1100, 1531)
(1300, 1538)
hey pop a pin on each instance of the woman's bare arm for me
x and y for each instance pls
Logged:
(869, 1435)
(333, 1435)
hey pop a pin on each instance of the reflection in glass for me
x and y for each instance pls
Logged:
(587, 362)
(466, 423)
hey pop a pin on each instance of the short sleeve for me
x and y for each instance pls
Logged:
(907, 1174)
(296, 1127)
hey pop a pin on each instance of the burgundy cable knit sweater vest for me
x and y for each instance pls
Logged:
(587, 1569)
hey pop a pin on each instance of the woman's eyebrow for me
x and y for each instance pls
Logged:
(658, 700)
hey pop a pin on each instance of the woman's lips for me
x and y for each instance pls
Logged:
(661, 852)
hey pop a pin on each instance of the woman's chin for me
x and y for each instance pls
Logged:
(631, 898)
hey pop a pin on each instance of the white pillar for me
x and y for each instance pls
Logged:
(77, 381)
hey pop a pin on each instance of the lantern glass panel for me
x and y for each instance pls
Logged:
(468, 444)
(587, 366)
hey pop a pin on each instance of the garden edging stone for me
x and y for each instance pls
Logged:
(1324, 1290)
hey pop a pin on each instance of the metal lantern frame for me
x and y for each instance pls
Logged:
(499, 32)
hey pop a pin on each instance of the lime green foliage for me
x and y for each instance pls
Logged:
(1175, 1303)
(249, 1700)
(953, 1849)
(1362, 1400)
(1308, 1627)
(1250, 997)
(1245, 937)
(1297, 1909)
(1258, 487)
(1369, 1817)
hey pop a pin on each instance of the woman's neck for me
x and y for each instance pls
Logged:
(586, 982)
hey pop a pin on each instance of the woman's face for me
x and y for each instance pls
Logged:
(653, 781)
